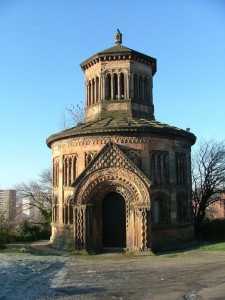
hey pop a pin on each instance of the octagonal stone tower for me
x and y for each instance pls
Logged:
(121, 179)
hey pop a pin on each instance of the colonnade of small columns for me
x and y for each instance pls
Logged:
(69, 169)
(118, 86)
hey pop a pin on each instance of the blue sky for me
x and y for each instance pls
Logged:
(43, 42)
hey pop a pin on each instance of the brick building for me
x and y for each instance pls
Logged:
(121, 179)
(217, 209)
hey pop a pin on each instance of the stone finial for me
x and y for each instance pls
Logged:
(118, 37)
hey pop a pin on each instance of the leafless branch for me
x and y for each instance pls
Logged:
(208, 176)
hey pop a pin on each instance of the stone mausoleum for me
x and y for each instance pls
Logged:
(121, 179)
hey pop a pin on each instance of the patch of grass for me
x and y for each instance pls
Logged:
(79, 252)
(22, 248)
(212, 247)
(18, 247)
(173, 255)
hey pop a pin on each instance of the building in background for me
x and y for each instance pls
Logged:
(8, 203)
(217, 209)
(28, 208)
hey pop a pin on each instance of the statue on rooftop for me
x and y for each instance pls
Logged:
(118, 37)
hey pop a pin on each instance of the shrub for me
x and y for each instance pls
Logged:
(6, 229)
(28, 231)
(211, 230)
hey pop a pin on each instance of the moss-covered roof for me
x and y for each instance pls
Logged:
(117, 48)
(113, 125)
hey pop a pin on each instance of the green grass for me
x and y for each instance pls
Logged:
(173, 255)
(201, 247)
(17, 246)
(22, 248)
(212, 247)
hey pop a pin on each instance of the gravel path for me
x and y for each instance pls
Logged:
(41, 277)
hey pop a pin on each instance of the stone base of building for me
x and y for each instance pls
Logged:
(173, 236)
(163, 238)
(62, 237)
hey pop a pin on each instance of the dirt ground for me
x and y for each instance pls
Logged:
(191, 275)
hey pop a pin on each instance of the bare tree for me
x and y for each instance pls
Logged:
(38, 192)
(208, 176)
(74, 116)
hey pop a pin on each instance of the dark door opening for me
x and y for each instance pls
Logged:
(113, 221)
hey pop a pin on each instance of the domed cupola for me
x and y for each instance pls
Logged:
(118, 83)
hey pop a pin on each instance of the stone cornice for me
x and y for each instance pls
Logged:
(119, 53)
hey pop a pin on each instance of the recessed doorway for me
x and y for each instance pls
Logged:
(113, 221)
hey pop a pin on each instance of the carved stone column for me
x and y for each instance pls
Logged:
(142, 230)
(83, 227)
(89, 93)
(131, 86)
(95, 90)
(86, 92)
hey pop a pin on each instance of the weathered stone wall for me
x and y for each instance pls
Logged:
(138, 149)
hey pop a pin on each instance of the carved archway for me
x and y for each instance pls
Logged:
(88, 197)
(117, 178)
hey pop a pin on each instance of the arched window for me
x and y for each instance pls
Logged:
(55, 209)
(69, 169)
(156, 211)
(145, 90)
(115, 87)
(181, 168)
(122, 86)
(140, 82)
(108, 87)
(68, 211)
(56, 172)
(89, 92)
(159, 167)
(182, 207)
(161, 209)
(135, 86)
